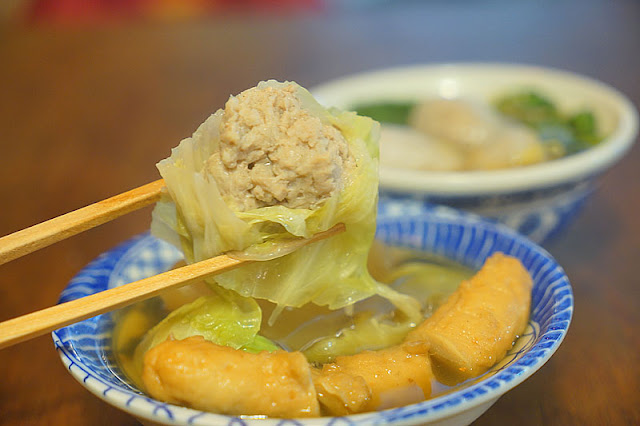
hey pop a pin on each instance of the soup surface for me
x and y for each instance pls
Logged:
(319, 333)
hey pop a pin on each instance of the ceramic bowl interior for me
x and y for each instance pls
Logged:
(86, 347)
(537, 200)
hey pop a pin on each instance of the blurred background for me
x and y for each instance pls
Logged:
(94, 93)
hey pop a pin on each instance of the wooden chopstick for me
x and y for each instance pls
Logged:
(38, 236)
(37, 323)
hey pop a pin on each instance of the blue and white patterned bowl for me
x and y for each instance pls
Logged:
(539, 200)
(85, 347)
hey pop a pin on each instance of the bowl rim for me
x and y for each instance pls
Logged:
(436, 408)
(572, 168)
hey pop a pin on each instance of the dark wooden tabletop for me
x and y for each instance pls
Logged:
(86, 111)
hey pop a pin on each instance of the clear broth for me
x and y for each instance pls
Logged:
(428, 278)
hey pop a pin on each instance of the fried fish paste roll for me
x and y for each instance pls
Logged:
(374, 380)
(200, 374)
(479, 322)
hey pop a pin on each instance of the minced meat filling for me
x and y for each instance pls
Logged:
(274, 152)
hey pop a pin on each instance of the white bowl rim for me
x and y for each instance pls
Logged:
(572, 168)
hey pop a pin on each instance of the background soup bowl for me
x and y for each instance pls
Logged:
(86, 347)
(538, 200)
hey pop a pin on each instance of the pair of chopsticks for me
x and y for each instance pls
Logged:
(28, 240)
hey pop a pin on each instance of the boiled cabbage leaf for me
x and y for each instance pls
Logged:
(368, 332)
(333, 272)
(224, 318)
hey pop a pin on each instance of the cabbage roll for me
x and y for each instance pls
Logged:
(272, 165)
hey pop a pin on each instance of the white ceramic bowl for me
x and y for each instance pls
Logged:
(85, 347)
(537, 200)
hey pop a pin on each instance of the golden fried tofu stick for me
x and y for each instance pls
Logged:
(374, 380)
(479, 322)
(200, 374)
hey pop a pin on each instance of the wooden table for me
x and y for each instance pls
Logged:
(86, 112)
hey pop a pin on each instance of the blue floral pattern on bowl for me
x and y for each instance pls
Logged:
(540, 214)
(84, 347)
